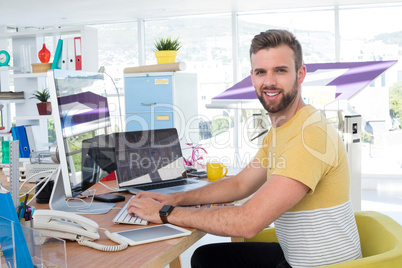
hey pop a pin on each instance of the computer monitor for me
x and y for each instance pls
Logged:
(80, 111)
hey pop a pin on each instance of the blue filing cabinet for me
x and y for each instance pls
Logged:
(161, 100)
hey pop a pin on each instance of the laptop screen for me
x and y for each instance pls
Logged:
(98, 159)
(148, 156)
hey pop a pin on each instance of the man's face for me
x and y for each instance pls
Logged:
(275, 79)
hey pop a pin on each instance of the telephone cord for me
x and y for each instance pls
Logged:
(122, 244)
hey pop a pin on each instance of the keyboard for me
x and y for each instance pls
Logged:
(164, 184)
(124, 218)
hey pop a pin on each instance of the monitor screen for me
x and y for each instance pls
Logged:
(82, 102)
(81, 112)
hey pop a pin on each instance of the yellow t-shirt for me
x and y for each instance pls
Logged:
(321, 228)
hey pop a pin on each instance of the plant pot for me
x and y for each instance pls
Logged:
(44, 108)
(165, 56)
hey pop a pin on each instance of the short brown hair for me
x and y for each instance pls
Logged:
(274, 38)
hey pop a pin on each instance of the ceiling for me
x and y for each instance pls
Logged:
(57, 13)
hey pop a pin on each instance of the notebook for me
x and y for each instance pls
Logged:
(151, 160)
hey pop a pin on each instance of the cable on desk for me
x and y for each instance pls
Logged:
(122, 244)
(45, 181)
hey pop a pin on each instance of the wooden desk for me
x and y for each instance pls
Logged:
(157, 254)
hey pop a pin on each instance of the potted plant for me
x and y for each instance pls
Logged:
(44, 107)
(166, 50)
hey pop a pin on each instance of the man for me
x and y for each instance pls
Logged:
(299, 179)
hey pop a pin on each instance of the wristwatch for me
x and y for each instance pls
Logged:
(164, 212)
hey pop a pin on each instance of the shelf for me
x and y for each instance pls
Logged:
(9, 68)
(12, 101)
(33, 117)
(28, 75)
(21, 75)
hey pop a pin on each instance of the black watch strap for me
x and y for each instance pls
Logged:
(164, 212)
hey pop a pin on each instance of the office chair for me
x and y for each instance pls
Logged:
(380, 239)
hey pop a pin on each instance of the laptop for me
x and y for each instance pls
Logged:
(98, 160)
(151, 160)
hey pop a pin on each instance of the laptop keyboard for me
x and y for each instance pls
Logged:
(124, 218)
(161, 185)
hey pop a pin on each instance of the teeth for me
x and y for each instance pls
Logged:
(272, 94)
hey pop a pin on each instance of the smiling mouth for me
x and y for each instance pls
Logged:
(271, 94)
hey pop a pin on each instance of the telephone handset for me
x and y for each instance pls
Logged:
(71, 226)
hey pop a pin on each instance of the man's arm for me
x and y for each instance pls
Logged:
(225, 190)
(275, 197)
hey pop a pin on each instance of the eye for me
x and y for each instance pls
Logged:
(281, 70)
(259, 72)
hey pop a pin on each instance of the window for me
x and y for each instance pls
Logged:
(376, 40)
(207, 51)
(317, 39)
(118, 49)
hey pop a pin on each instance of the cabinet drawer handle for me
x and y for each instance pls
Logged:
(148, 104)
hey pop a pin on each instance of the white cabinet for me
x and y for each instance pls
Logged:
(162, 100)
(25, 46)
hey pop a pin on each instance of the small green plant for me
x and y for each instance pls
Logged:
(42, 96)
(367, 137)
(167, 44)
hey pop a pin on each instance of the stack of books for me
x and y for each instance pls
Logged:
(7, 95)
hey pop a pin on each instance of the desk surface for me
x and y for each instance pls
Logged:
(157, 254)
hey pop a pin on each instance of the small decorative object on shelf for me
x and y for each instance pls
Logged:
(196, 155)
(4, 58)
(44, 54)
(44, 107)
(44, 57)
(166, 50)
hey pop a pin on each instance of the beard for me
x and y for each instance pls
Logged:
(286, 99)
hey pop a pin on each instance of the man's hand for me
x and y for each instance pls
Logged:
(145, 208)
(165, 199)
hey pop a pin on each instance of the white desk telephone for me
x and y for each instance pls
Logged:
(71, 226)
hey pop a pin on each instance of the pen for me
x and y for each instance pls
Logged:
(28, 216)
(26, 200)
(20, 213)
(24, 207)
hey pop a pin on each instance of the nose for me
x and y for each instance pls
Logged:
(270, 80)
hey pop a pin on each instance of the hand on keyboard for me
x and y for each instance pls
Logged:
(125, 218)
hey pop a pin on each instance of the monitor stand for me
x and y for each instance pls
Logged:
(58, 201)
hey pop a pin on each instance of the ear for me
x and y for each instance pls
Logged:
(301, 74)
